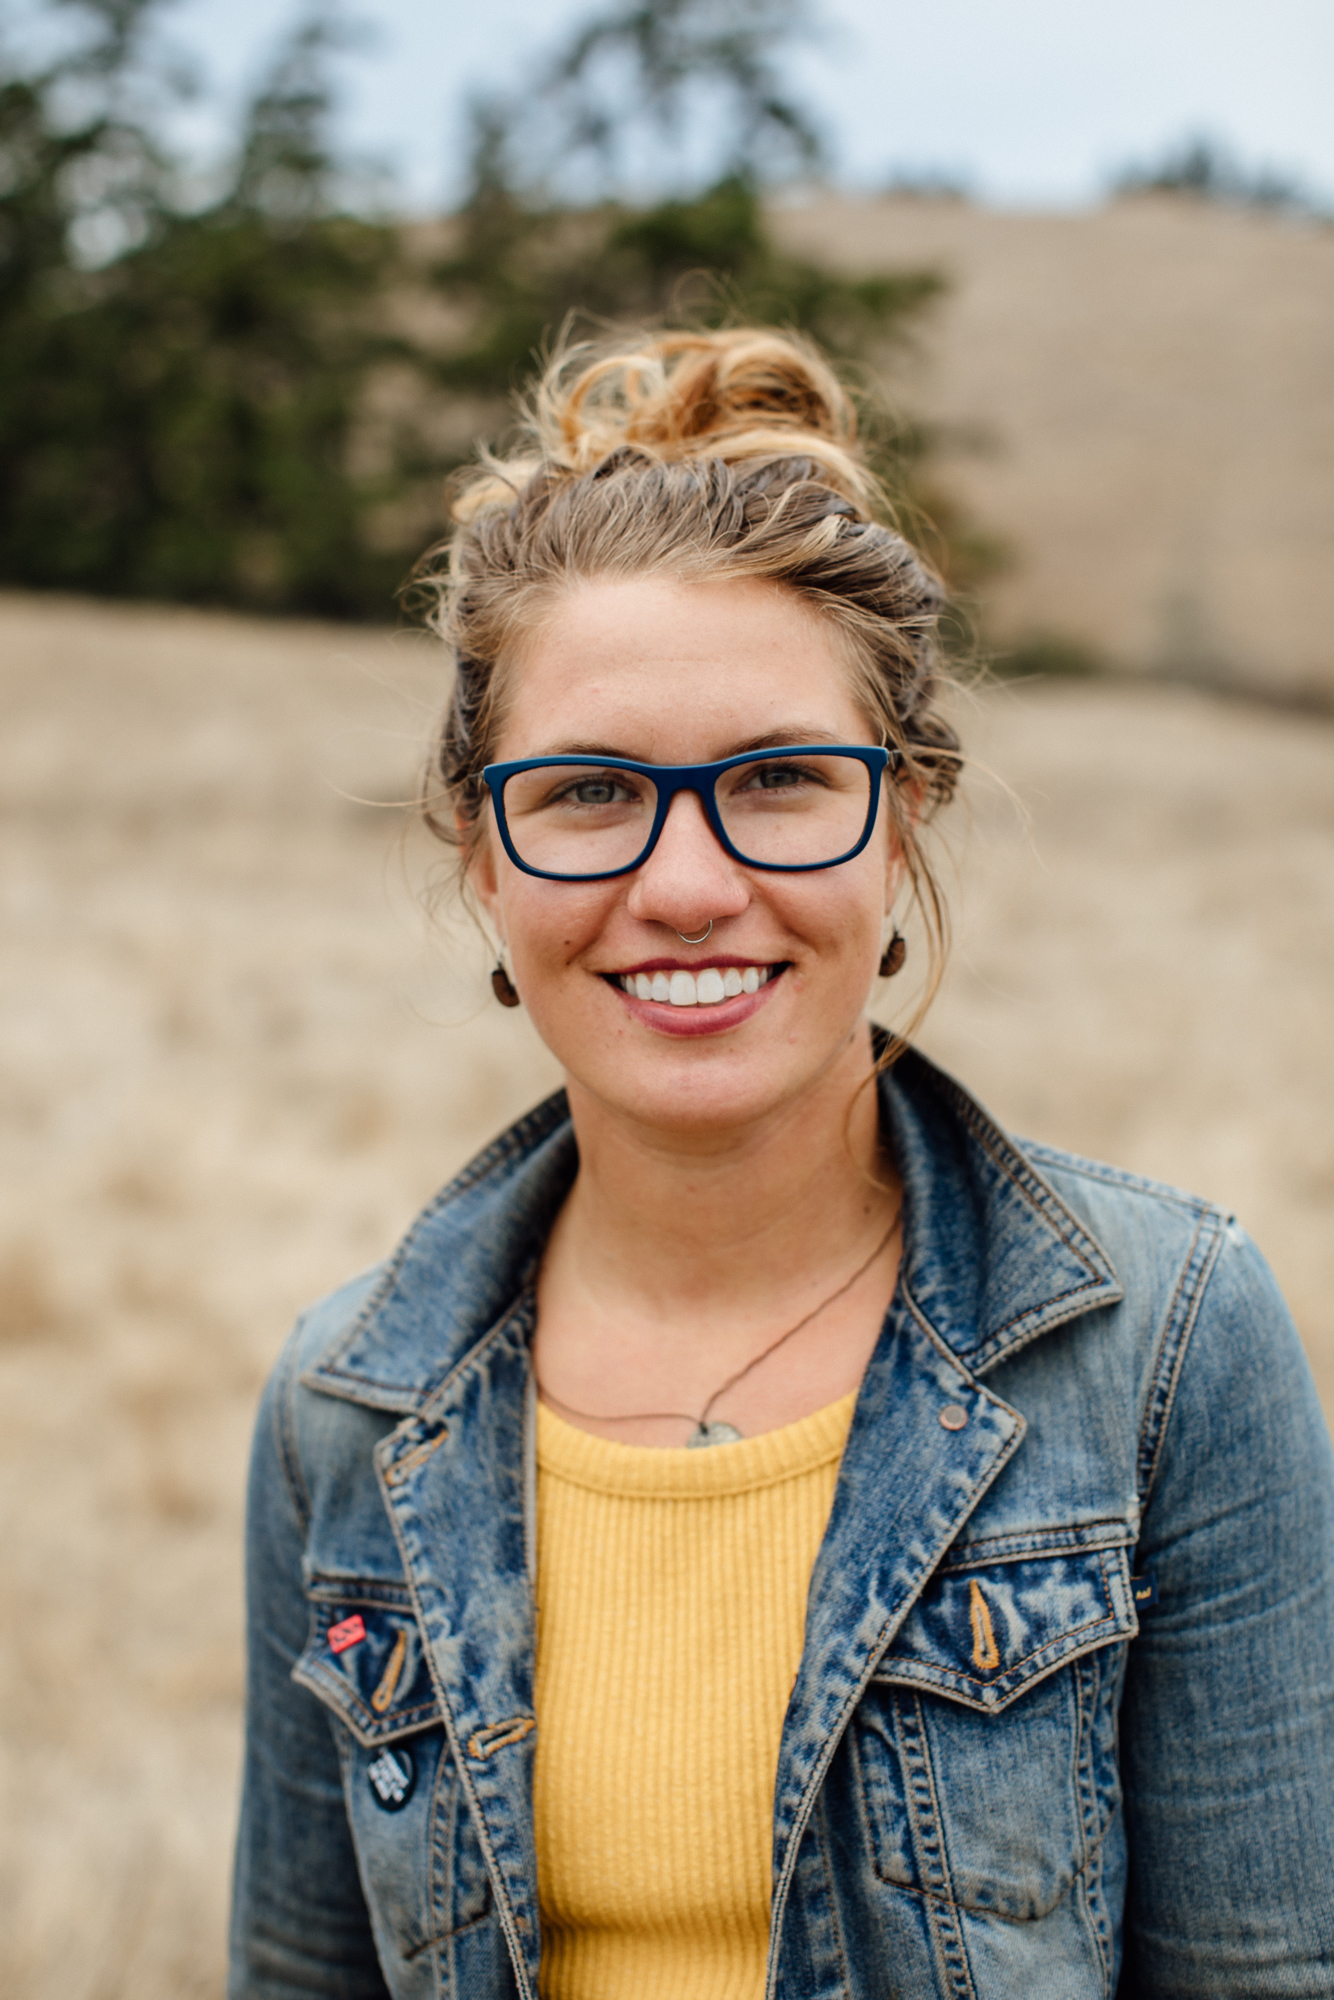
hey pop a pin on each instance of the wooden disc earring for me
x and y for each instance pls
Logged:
(503, 986)
(892, 958)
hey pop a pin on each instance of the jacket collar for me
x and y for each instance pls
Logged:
(992, 1255)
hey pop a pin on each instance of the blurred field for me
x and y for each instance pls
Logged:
(1149, 394)
(234, 1062)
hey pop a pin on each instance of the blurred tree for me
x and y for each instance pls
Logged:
(526, 263)
(666, 65)
(245, 401)
(1203, 167)
(177, 420)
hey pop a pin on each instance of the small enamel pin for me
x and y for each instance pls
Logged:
(393, 1774)
(350, 1632)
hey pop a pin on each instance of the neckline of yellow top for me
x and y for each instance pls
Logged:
(712, 1430)
(672, 1472)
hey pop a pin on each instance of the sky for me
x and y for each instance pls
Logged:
(1029, 103)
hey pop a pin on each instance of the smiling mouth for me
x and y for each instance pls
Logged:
(708, 988)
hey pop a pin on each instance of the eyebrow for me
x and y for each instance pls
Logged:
(772, 739)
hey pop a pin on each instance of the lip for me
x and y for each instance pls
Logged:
(685, 1023)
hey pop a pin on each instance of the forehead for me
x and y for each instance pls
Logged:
(675, 671)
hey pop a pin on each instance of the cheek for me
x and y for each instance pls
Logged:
(546, 923)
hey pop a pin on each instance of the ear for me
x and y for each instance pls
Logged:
(912, 796)
(480, 874)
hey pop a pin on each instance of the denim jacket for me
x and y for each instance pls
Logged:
(1064, 1720)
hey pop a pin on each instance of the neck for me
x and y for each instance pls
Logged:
(658, 1225)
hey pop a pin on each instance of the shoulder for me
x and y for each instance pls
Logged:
(1190, 1255)
(1225, 1358)
(1130, 1214)
(303, 1437)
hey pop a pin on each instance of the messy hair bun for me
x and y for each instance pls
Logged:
(742, 394)
(702, 456)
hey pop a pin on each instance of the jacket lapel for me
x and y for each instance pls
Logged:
(444, 1337)
(454, 1484)
(907, 1484)
(992, 1258)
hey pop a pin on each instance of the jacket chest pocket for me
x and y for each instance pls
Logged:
(424, 1871)
(986, 1741)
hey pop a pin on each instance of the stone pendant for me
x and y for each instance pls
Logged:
(714, 1433)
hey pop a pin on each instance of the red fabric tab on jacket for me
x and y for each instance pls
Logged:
(350, 1633)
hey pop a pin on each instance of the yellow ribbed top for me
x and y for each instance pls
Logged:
(671, 1589)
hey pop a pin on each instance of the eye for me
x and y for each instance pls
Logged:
(595, 792)
(779, 777)
(590, 791)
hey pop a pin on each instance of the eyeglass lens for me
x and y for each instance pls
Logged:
(589, 819)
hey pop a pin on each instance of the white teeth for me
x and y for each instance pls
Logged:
(691, 989)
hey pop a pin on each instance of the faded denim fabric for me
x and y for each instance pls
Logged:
(997, 1780)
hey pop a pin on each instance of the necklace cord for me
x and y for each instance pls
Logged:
(701, 1421)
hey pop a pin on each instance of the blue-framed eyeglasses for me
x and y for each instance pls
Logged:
(583, 819)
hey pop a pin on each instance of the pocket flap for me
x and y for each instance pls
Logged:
(983, 1632)
(365, 1658)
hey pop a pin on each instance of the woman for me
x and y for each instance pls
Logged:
(985, 1649)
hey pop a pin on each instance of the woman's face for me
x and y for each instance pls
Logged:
(687, 673)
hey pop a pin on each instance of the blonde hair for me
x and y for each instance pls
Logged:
(703, 456)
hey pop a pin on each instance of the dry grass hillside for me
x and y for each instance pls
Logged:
(1151, 392)
(234, 1062)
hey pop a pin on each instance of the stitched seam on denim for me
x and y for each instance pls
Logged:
(1117, 1177)
(1077, 1760)
(919, 1314)
(327, 1588)
(924, 1673)
(342, 1699)
(506, 1914)
(1037, 1543)
(442, 1885)
(947, 1937)
(1186, 1301)
(441, 1846)
(520, 1138)
(1086, 1679)
(438, 1938)
(284, 1423)
(1087, 1883)
(820, 1767)
(987, 1356)
(529, 1444)
(817, 1825)
(911, 1669)
(521, 1312)
(1000, 1916)
(1030, 1185)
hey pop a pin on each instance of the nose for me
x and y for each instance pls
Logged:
(688, 880)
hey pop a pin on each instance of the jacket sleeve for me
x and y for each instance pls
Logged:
(1228, 1718)
(300, 1925)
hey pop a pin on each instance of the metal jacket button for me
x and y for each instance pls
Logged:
(954, 1416)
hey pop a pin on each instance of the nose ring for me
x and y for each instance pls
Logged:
(700, 939)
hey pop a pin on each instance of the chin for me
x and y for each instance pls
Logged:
(700, 1085)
